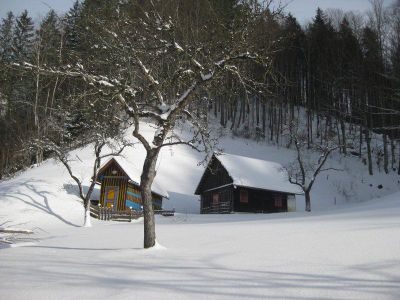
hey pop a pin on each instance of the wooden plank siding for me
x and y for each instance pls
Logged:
(225, 200)
(114, 176)
(134, 195)
(260, 201)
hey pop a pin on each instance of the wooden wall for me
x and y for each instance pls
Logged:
(225, 199)
(118, 179)
(259, 201)
(127, 190)
(134, 198)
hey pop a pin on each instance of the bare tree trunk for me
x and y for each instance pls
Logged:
(263, 118)
(398, 169)
(393, 153)
(39, 150)
(344, 141)
(361, 142)
(369, 155)
(87, 222)
(86, 203)
(385, 154)
(147, 178)
(308, 200)
(234, 115)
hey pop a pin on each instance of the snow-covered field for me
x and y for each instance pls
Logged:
(350, 250)
(345, 254)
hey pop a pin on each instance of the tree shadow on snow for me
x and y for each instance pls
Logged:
(206, 276)
(72, 189)
(43, 205)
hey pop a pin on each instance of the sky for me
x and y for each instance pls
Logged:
(303, 10)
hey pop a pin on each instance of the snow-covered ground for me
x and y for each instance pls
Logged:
(351, 253)
(350, 250)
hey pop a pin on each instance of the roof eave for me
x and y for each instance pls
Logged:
(269, 190)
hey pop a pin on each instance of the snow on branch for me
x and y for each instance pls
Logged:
(67, 71)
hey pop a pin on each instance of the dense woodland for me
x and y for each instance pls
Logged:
(339, 74)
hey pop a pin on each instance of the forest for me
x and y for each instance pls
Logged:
(338, 75)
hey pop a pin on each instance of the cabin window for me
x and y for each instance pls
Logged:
(215, 198)
(110, 195)
(278, 201)
(244, 196)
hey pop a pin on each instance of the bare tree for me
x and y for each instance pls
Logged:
(161, 67)
(304, 170)
(64, 157)
(335, 16)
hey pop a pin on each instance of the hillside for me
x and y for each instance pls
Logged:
(349, 250)
(45, 194)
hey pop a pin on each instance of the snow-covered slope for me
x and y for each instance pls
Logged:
(350, 250)
(45, 195)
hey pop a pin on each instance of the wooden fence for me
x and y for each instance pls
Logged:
(221, 208)
(108, 214)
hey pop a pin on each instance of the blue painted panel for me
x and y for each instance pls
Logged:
(134, 205)
(134, 195)
(138, 196)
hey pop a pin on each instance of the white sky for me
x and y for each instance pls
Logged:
(303, 10)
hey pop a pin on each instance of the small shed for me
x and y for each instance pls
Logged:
(233, 183)
(120, 186)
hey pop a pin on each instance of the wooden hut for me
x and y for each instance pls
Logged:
(120, 186)
(234, 183)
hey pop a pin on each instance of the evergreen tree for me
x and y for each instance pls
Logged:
(73, 29)
(6, 37)
(48, 38)
(321, 60)
(23, 37)
(349, 64)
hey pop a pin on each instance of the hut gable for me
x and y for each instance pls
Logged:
(111, 168)
(214, 176)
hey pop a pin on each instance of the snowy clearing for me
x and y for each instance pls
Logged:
(350, 250)
(344, 254)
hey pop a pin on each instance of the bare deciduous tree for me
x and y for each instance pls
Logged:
(304, 170)
(100, 138)
(160, 68)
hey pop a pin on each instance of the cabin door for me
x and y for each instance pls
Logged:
(111, 196)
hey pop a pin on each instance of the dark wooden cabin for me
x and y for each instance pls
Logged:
(234, 183)
(120, 186)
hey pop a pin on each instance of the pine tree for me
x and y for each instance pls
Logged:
(372, 67)
(72, 29)
(6, 37)
(23, 37)
(349, 64)
(48, 38)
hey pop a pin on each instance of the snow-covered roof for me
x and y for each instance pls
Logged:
(257, 173)
(134, 174)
